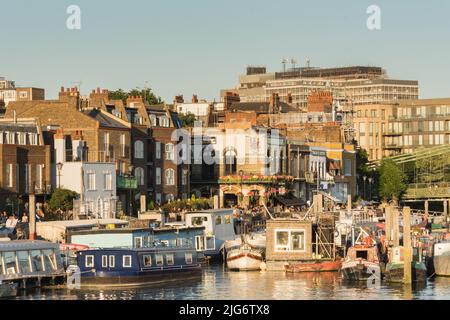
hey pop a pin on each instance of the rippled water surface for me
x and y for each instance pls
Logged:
(218, 283)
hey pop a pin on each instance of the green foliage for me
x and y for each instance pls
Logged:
(148, 94)
(392, 180)
(151, 205)
(62, 199)
(189, 205)
(193, 197)
(187, 119)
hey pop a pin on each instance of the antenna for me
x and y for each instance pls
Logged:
(284, 61)
(293, 63)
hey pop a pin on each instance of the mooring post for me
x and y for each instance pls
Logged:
(388, 224)
(407, 247)
(396, 226)
(426, 208)
(32, 220)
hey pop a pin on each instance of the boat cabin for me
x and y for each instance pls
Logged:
(369, 253)
(219, 227)
(25, 260)
(293, 240)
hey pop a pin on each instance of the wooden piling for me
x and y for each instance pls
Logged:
(388, 224)
(407, 247)
(426, 207)
(32, 217)
(395, 227)
(349, 203)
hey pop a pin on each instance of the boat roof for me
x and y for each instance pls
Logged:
(19, 245)
(147, 249)
(69, 224)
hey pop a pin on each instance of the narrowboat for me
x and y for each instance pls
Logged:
(395, 267)
(441, 258)
(31, 263)
(122, 267)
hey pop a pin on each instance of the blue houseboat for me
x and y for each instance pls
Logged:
(137, 266)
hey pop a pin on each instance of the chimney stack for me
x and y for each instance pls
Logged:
(194, 99)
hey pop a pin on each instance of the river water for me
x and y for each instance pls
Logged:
(217, 283)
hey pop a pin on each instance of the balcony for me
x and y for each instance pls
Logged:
(392, 133)
(91, 156)
(124, 182)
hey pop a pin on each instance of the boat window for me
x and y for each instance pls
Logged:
(147, 259)
(290, 240)
(219, 220)
(188, 258)
(104, 261)
(199, 243)
(138, 242)
(36, 261)
(10, 262)
(361, 254)
(165, 243)
(50, 260)
(169, 259)
(126, 261)
(227, 219)
(198, 221)
(89, 261)
(159, 260)
(24, 262)
(297, 240)
(1, 264)
(112, 261)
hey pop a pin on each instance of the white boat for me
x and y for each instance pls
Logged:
(441, 259)
(245, 258)
(256, 239)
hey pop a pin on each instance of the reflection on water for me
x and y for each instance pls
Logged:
(217, 283)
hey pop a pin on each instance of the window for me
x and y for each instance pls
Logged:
(24, 262)
(39, 168)
(348, 167)
(91, 181)
(169, 259)
(36, 261)
(198, 221)
(104, 261)
(147, 259)
(139, 149)
(290, 240)
(126, 261)
(153, 120)
(169, 151)
(106, 143)
(9, 175)
(184, 177)
(164, 121)
(158, 176)
(199, 243)
(227, 219)
(112, 261)
(158, 196)
(159, 260)
(158, 150)
(122, 145)
(188, 258)
(89, 261)
(218, 220)
(108, 181)
(170, 177)
(10, 262)
(138, 242)
(139, 174)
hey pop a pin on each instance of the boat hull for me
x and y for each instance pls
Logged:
(359, 270)
(442, 265)
(244, 260)
(8, 290)
(139, 279)
(395, 272)
(316, 266)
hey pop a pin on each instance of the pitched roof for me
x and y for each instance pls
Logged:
(104, 119)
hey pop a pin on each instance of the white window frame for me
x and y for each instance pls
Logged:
(112, 261)
(172, 256)
(169, 151)
(188, 258)
(107, 176)
(89, 186)
(89, 265)
(141, 176)
(104, 261)
(138, 149)
(136, 239)
(124, 259)
(158, 176)
(278, 248)
(157, 256)
(143, 260)
(158, 150)
(169, 177)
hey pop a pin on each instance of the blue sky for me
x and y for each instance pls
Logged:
(201, 46)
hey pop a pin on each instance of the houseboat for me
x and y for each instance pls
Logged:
(295, 245)
(441, 258)
(363, 259)
(8, 289)
(30, 263)
(134, 267)
(219, 227)
(395, 267)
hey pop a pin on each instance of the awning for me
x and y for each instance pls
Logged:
(291, 201)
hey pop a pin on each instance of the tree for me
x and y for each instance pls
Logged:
(147, 94)
(187, 119)
(62, 199)
(392, 180)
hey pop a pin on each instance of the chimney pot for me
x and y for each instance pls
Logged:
(62, 89)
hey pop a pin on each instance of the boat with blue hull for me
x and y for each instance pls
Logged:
(123, 267)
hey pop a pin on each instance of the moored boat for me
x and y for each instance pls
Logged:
(315, 266)
(245, 258)
(136, 266)
(361, 263)
(441, 258)
(396, 266)
(8, 290)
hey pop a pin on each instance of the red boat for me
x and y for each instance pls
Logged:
(72, 247)
(314, 266)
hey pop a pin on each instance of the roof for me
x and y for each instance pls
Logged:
(26, 245)
(104, 119)
(83, 223)
(18, 127)
(291, 202)
(261, 107)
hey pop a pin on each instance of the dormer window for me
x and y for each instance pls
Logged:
(164, 122)
(153, 120)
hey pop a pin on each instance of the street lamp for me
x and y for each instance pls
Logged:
(370, 188)
(364, 194)
(59, 166)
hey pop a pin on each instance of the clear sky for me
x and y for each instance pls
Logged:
(201, 46)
